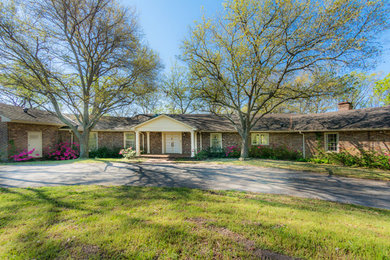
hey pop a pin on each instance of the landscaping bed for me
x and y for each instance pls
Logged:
(169, 223)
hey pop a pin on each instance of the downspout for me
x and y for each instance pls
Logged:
(303, 145)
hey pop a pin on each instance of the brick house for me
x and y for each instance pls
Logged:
(346, 129)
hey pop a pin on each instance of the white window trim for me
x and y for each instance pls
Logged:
(97, 140)
(326, 142)
(124, 139)
(261, 133)
(219, 136)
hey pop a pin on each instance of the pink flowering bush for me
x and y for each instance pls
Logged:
(233, 151)
(128, 153)
(24, 155)
(63, 151)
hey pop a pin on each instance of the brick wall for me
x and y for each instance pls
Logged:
(65, 136)
(205, 141)
(110, 140)
(293, 141)
(186, 143)
(17, 133)
(230, 139)
(155, 143)
(3, 140)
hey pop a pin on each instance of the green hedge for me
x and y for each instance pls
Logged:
(105, 152)
(368, 159)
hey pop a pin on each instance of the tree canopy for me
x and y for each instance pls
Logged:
(83, 57)
(247, 60)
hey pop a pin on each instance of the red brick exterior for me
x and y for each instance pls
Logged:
(17, 134)
(65, 136)
(186, 143)
(3, 140)
(155, 143)
(110, 140)
(350, 141)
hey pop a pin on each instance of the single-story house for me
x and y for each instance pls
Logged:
(184, 134)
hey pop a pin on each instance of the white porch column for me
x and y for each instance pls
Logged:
(148, 140)
(196, 142)
(137, 139)
(200, 141)
(192, 143)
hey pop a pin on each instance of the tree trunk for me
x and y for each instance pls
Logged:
(245, 146)
(84, 146)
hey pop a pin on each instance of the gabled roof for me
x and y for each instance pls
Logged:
(17, 114)
(357, 119)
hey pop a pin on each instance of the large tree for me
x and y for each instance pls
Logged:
(176, 86)
(382, 89)
(246, 60)
(354, 87)
(83, 57)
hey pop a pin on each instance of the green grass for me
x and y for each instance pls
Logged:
(96, 160)
(362, 173)
(170, 223)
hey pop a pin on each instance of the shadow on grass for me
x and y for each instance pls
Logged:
(106, 225)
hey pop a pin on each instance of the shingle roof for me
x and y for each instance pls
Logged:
(369, 118)
(31, 115)
(120, 123)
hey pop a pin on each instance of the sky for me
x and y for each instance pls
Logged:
(165, 23)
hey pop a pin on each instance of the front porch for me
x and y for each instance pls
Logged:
(163, 135)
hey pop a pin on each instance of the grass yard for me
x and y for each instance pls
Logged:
(170, 223)
(362, 173)
(96, 160)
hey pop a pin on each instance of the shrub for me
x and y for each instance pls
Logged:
(233, 151)
(128, 153)
(24, 155)
(275, 153)
(105, 152)
(216, 152)
(201, 155)
(368, 159)
(63, 151)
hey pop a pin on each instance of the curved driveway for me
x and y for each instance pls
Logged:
(202, 176)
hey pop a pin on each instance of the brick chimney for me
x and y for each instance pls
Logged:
(344, 106)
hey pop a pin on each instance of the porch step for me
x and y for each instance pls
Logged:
(164, 156)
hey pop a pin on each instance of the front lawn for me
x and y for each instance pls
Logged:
(91, 160)
(362, 173)
(170, 223)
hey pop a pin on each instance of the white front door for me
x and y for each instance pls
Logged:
(35, 142)
(173, 143)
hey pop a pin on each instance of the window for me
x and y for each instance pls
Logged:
(216, 141)
(332, 142)
(93, 141)
(260, 138)
(129, 140)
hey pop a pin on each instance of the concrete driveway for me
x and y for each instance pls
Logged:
(202, 176)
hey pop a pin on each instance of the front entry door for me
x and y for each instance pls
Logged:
(35, 142)
(173, 143)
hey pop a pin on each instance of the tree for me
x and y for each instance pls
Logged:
(382, 89)
(84, 57)
(176, 86)
(354, 87)
(246, 60)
